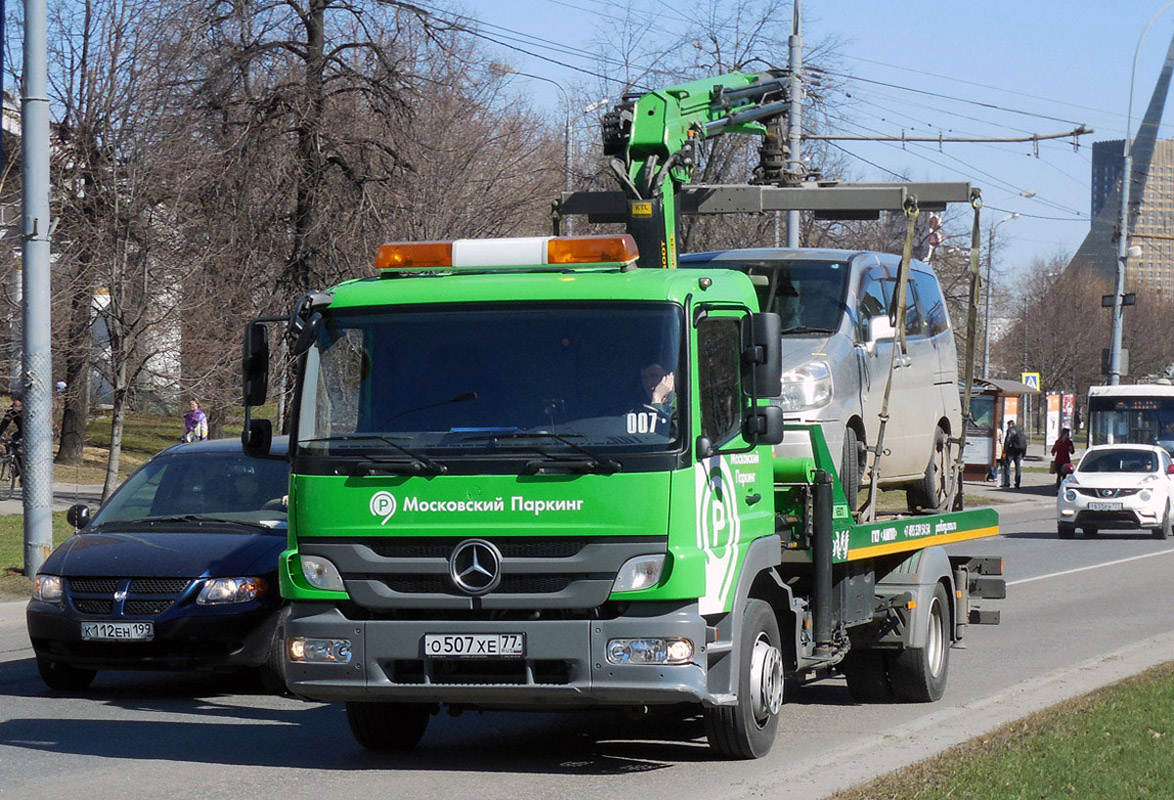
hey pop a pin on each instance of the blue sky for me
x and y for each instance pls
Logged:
(1064, 63)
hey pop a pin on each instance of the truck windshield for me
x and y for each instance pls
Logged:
(460, 380)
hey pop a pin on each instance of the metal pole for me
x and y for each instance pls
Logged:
(986, 325)
(567, 156)
(37, 477)
(1123, 219)
(795, 115)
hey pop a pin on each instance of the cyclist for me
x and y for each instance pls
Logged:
(14, 417)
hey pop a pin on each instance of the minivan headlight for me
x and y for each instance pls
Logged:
(808, 386)
(48, 588)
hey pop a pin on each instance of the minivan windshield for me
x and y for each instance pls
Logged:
(807, 294)
(550, 377)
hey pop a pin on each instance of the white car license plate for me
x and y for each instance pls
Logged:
(118, 631)
(474, 645)
(1095, 506)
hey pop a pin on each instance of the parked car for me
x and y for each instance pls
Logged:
(1118, 486)
(177, 570)
(837, 346)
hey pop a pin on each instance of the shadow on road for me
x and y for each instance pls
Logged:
(217, 719)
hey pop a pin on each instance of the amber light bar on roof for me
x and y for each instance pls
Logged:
(516, 253)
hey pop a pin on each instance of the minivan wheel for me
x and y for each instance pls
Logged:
(850, 467)
(930, 493)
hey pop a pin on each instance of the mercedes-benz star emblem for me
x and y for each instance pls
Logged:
(475, 566)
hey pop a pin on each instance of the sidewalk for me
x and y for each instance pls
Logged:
(64, 496)
(1034, 485)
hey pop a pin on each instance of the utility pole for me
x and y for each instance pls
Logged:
(37, 361)
(795, 115)
(986, 326)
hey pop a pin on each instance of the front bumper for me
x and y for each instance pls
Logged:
(196, 641)
(1123, 513)
(565, 663)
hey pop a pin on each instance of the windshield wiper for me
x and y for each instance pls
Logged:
(594, 462)
(807, 329)
(421, 463)
(181, 518)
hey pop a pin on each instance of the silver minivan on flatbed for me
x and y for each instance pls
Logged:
(837, 346)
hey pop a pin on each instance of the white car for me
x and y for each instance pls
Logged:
(1122, 486)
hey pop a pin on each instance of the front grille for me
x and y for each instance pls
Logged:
(146, 608)
(442, 547)
(172, 587)
(92, 606)
(1112, 493)
(94, 585)
(510, 584)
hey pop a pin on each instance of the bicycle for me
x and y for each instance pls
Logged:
(10, 470)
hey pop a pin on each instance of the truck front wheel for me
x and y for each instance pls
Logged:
(388, 726)
(747, 730)
(918, 674)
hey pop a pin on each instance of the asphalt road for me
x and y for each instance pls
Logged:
(1079, 614)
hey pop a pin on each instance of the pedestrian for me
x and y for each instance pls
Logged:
(992, 473)
(1062, 452)
(1014, 446)
(195, 423)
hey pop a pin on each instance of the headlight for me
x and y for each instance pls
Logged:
(808, 386)
(319, 651)
(1070, 495)
(49, 588)
(649, 651)
(321, 574)
(221, 591)
(639, 573)
(1146, 495)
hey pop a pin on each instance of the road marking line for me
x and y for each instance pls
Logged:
(1085, 569)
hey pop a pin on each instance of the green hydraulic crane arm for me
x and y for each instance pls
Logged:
(652, 140)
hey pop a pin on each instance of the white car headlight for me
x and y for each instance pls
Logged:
(49, 589)
(1070, 495)
(808, 386)
(222, 591)
(1146, 495)
(322, 574)
(639, 573)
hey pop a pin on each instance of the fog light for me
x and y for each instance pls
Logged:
(1067, 512)
(319, 651)
(649, 651)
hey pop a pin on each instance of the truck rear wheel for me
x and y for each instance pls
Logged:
(918, 674)
(747, 730)
(388, 726)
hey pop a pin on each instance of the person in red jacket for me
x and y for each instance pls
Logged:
(1062, 452)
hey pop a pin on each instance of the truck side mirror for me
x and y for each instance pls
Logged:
(763, 425)
(257, 438)
(255, 364)
(307, 334)
(78, 516)
(762, 354)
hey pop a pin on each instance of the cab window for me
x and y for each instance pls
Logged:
(718, 351)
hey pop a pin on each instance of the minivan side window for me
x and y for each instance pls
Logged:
(933, 307)
(719, 377)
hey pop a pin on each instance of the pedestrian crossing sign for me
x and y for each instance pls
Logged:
(1031, 379)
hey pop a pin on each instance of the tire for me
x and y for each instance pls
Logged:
(850, 467)
(918, 674)
(1089, 532)
(867, 674)
(1163, 530)
(63, 677)
(929, 495)
(386, 727)
(747, 730)
(271, 671)
(1065, 530)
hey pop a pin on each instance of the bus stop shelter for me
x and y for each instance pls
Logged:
(992, 403)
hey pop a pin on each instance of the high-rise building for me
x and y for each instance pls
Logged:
(1152, 211)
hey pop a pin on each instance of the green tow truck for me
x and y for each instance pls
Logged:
(529, 474)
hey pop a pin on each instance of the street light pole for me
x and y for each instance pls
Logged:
(986, 327)
(1123, 219)
(500, 68)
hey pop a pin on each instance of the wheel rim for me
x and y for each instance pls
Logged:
(766, 679)
(941, 465)
(935, 647)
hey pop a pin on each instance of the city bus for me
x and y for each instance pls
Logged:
(1139, 414)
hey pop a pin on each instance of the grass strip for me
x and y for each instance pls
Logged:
(14, 585)
(1116, 742)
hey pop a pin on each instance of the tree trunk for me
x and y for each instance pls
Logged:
(76, 404)
(117, 421)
